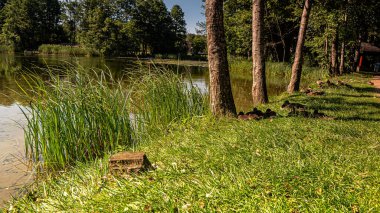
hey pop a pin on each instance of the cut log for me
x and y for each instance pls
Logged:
(129, 162)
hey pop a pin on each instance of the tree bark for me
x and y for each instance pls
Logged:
(334, 54)
(222, 102)
(295, 81)
(356, 57)
(342, 59)
(259, 88)
(343, 48)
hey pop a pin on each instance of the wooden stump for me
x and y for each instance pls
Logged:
(129, 162)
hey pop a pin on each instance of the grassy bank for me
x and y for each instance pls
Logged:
(288, 164)
(277, 73)
(53, 49)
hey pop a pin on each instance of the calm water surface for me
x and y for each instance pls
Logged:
(13, 169)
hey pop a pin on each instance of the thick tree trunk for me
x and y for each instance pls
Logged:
(295, 81)
(342, 61)
(334, 55)
(222, 102)
(259, 88)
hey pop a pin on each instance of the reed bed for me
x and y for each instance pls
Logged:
(54, 49)
(163, 97)
(74, 117)
(82, 115)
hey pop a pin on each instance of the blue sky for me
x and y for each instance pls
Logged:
(192, 10)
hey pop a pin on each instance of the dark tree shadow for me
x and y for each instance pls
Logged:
(342, 105)
(357, 118)
(367, 89)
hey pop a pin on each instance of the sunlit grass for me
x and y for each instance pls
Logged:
(226, 165)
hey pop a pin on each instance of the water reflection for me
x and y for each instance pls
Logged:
(14, 173)
(13, 67)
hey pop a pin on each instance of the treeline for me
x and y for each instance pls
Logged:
(334, 29)
(106, 27)
(305, 30)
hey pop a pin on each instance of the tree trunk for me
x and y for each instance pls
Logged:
(342, 61)
(222, 102)
(259, 88)
(326, 51)
(356, 58)
(354, 66)
(343, 48)
(334, 54)
(295, 81)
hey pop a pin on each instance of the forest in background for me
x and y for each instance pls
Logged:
(140, 27)
(333, 25)
(109, 27)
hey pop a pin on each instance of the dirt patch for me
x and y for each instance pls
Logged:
(376, 83)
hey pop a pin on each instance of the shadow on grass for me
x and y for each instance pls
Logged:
(358, 118)
(344, 109)
(353, 96)
(367, 89)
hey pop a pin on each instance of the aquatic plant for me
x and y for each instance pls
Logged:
(75, 117)
(162, 97)
(82, 115)
(54, 49)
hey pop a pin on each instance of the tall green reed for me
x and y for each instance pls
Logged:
(76, 117)
(81, 115)
(162, 97)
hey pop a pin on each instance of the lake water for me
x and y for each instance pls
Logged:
(13, 166)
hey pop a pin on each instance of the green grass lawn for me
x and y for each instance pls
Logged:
(287, 164)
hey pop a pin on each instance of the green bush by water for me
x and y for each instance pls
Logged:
(6, 49)
(53, 49)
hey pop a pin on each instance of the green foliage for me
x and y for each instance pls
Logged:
(107, 27)
(206, 165)
(5, 49)
(129, 27)
(179, 28)
(281, 22)
(282, 19)
(70, 19)
(101, 29)
(238, 26)
(29, 23)
(152, 23)
(197, 44)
